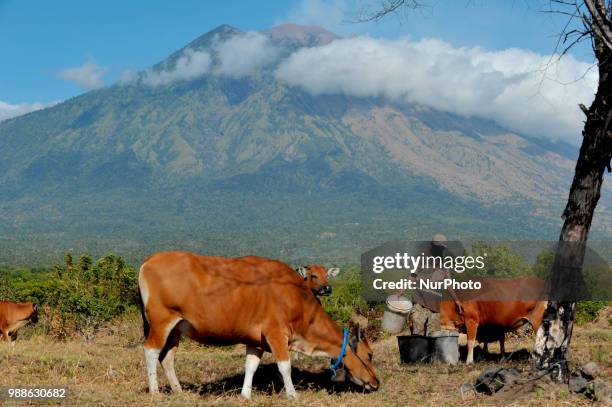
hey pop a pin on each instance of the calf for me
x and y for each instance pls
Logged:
(14, 316)
(488, 321)
(316, 277)
(260, 302)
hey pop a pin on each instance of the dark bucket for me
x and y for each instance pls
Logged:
(415, 348)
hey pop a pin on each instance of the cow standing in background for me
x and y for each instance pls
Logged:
(489, 321)
(260, 302)
(316, 277)
(14, 316)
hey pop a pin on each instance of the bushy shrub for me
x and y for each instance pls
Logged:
(346, 298)
(588, 311)
(501, 261)
(76, 296)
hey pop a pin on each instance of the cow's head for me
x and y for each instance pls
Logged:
(358, 361)
(316, 278)
(451, 315)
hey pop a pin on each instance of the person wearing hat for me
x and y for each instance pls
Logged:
(424, 317)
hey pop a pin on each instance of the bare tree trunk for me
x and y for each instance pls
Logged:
(554, 336)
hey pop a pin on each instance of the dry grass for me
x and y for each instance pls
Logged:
(213, 376)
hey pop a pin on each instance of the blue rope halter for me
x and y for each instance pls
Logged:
(342, 352)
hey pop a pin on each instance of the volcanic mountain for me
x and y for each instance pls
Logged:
(204, 152)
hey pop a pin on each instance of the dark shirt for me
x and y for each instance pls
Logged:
(429, 299)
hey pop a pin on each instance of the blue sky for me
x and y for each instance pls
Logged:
(38, 39)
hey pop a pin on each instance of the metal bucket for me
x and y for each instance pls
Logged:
(446, 346)
(393, 322)
(415, 348)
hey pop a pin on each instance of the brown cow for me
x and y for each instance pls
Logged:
(260, 302)
(13, 316)
(488, 321)
(316, 277)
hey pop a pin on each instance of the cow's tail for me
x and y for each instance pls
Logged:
(538, 314)
(145, 323)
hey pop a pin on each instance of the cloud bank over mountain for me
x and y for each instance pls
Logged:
(238, 56)
(189, 66)
(242, 55)
(524, 91)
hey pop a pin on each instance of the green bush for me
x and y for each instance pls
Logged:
(587, 311)
(500, 261)
(75, 296)
(346, 298)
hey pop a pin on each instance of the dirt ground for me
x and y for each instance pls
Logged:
(109, 371)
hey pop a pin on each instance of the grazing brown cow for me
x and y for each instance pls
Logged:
(488, 321)
(260, 302)
(13, 316)
(316, 277)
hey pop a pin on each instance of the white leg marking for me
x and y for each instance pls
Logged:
(252, 362)
(470, 355)
(168, 364)
(285, 370)
(151, 356)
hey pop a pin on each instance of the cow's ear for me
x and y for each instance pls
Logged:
(333, 272)
(301, 271)
(353, 341)
(360, 334)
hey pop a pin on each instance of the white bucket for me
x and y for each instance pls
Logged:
(446, 347)
(392, 322)
(398, 304)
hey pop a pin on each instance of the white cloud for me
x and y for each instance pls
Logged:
(189, 65)
(331, 14)
(238, 56)
(127, 76)
(244, 54)
(86, 76)
(512, 87)
(8, 111)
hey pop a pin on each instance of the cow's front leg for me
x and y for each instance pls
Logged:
(279, 345)
(502, 347)
(253, 356)
(471, 327)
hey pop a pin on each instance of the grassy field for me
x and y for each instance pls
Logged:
(109, 371)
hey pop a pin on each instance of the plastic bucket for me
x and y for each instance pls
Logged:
(392, 322)
(446, 346)
(415, 348)
(398, 304)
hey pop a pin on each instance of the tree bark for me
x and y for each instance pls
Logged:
(554, 336)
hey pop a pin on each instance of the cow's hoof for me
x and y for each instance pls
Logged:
(155, 396)
(246, 394)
